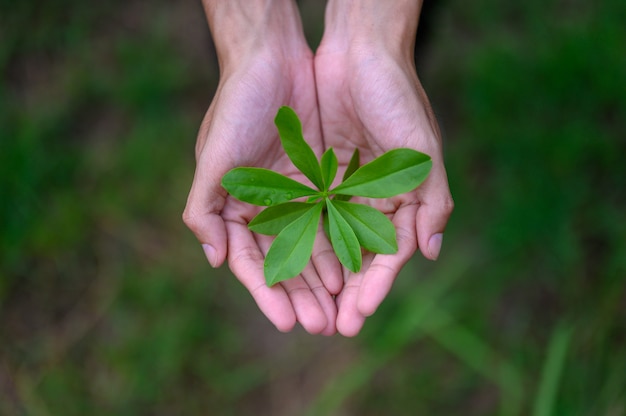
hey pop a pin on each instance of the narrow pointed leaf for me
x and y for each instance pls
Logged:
(263, 187)
(353, 165)
(272, 220)
(394, 172)
(297, 149)
(341, 197)
(343, 239)
(291, 250)
(329, 166)
(372, 228)
(325, 224)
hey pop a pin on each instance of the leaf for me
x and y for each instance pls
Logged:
(325, 224)
(291, 250)
(263, 187)
(353, 165)
(329, 167)
(272, 220)
(297, 149)
(343, 239)
(394, 172)
(551, 374)
(372, 228)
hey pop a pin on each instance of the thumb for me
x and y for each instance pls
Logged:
(436, 206)
(202, 213)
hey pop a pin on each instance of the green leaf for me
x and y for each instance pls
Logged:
(272, 220)
(394, 172)
(372, 228)
(297, 149)
(329, 167)
(343, 239)
(552, 371)
(291, 250)
(263, 187)
(353, 165)
(325, 224)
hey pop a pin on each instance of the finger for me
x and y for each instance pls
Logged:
(202, 213)
(311, 302)
(326, 263)
(349, 319)
(246, 262)
(384, 269)
(305, 304)
(313, 305)
(324, 299)
(436, 206)
(210, 230)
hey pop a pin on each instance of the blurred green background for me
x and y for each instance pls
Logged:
(108, 306)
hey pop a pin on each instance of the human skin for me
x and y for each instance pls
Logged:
(359, 90)
(265, 63)
(371, 98)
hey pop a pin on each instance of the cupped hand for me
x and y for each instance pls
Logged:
(371, 99)
(238, 130)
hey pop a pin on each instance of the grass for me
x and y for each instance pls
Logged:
(107, 305)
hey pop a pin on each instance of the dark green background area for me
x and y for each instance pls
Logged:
(108, 306)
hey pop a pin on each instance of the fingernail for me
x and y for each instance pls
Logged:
(210, 254)
(434, 245)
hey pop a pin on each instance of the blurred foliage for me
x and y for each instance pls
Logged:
(107, 305)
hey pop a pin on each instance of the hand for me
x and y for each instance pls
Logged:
(238, 130)
(370, 98)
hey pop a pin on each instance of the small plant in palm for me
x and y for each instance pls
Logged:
(349, 226)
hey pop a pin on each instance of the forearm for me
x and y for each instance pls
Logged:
(391, 24)
(241, 27)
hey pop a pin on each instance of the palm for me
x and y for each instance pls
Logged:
(375, 104)
(249, 114)
(238, 130)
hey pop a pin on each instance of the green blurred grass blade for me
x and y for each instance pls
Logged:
(395, 334)
(480, 356)
(422, 315)
(552, 369)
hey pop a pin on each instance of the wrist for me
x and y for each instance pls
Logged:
(243, 29)
(371, 25)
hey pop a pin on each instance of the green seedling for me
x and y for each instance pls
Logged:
(349, 226)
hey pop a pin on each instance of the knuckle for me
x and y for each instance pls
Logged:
(191, 220)
(323, 255)
(406, 237)
(446, 205)
(381, 269)
(247, 255)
